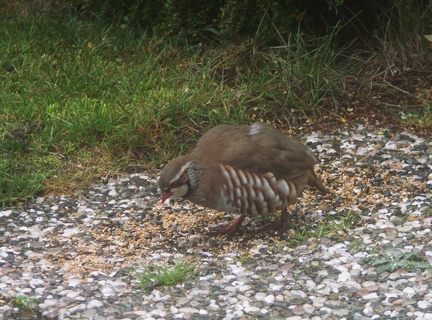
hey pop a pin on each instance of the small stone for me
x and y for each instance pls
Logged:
(107, 291)
(74, 282)
(294, 318)
(368, 310)
(308, 308)
(94, 304)
(40, 200)
(280, 298)
(318, 302)
(344, 276)
(298, 310)
(333, 303)
(405, 228)
(77, 308)
(298, 294)
(340, 312)
(213, 307)
(5, 213)
(408, 292)
(269, 299)
(36, 282)
(158, 314)
(370, 296)
(231, 289)
(112, 193)
(251, 309)
(244, 288)
(325, 310)
(264, 311)
(310, 285)
(188, 310)
(260, 296)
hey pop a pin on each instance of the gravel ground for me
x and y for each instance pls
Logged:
(362, 252)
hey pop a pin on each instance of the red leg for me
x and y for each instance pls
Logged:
(232, 228)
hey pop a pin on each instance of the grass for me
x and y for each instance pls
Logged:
(409, 261)
(419, 118)
(81, 101)
(309, 71)
(23, 303)
(400, 36)
(302, 234)
(154, 275)
(334, 227)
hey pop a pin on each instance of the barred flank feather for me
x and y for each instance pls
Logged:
(252, 194)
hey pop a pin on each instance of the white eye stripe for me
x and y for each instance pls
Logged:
(181, 171)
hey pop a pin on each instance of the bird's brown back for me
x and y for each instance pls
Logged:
(260, 149)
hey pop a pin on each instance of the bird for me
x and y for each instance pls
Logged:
(251, 170)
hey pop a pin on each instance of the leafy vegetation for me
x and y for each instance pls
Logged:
(23, 303)
(334, 227)
(154, 275)
(409, 261)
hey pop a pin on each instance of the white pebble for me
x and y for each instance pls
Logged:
(74, 282)
(5, 213)
(260, 296)
(94, 304)
(251, 309)
(370, 296)
(270, 299)
(188, 310)
(408, 292)
(423, 304)
(107, 291)
(308, 308)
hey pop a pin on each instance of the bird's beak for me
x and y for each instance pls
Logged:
(166, 196)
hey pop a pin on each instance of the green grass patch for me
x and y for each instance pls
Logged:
(330, 226)
(409, 261)
(154, 275)
(300, 235)
(306, 70)
(23, 303)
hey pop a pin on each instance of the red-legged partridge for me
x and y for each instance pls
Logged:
(250, 170)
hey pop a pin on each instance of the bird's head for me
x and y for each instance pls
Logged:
(174, 179)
